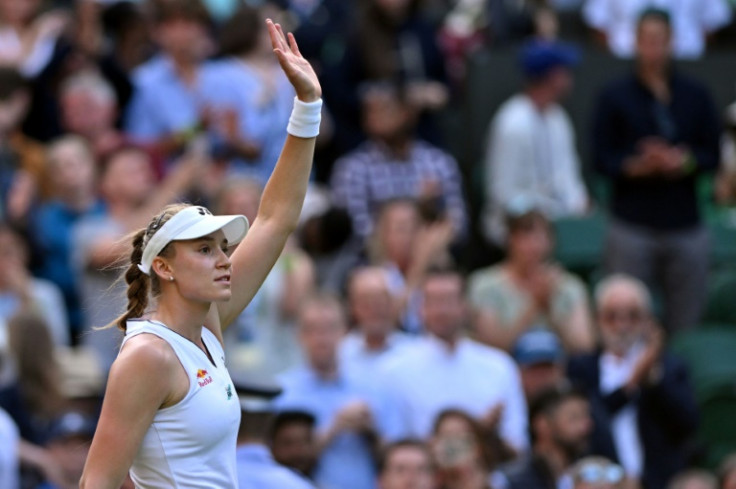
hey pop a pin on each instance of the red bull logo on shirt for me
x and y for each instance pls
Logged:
(203, 378)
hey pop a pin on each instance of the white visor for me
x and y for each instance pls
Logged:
(191, 223)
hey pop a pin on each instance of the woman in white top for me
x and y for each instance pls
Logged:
(170, 414)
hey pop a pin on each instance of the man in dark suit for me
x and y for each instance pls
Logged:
(641, 400)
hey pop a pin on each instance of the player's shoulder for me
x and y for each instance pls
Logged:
(145, 353)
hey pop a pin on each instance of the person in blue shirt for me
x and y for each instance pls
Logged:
(169, 105)
(255, 465)
(71, 167)
(252, 100)
(352, 414)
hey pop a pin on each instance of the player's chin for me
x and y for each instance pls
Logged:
(222, 295)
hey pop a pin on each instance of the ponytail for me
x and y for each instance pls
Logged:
(138, 284)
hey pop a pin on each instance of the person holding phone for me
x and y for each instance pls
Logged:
(155, 422)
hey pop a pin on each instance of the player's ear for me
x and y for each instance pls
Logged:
(162, 269)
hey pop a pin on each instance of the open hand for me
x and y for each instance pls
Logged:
(297, 69)
(543, 285)
(650, 357)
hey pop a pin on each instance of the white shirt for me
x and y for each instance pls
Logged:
(691, 21)
(473, 377)
(615, 372)
(355, 355)
(9, 439)
(531, 153)
(192, 443)
(11, 52)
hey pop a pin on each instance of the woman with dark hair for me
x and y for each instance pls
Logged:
(464, 452)
(527, 290)
(170, 413)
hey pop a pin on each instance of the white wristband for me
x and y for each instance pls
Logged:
(305, 119)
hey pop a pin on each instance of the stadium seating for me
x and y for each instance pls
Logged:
(709, 353)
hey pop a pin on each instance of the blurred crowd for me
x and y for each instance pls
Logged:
(380, 351)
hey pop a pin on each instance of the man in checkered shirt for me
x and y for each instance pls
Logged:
(393, 164)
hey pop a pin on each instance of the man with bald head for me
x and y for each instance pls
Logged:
(642, 401)
(374, 337)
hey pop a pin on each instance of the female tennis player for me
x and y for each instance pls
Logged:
(170, 414)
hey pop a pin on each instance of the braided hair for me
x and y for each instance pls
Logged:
(140, 285)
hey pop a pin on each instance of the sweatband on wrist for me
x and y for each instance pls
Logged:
(305, 119)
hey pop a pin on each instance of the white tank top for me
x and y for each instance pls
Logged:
(192, 443)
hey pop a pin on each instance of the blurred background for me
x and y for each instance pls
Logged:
(516, 262)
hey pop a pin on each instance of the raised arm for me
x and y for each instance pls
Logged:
(283, 196)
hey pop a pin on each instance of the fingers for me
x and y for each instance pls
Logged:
(281, 41)
(271, 32)
(282, 36)
(281, 56)
(293, 45)
(278, 41)
(284, 43)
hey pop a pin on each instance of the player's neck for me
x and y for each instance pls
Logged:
(184, 317)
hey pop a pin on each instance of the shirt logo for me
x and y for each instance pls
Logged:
(229, 391)
(203, 378)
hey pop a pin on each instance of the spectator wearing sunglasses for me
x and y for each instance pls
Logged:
(597, 473)
(642, 402)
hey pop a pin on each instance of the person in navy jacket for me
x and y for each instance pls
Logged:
(642, 402)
